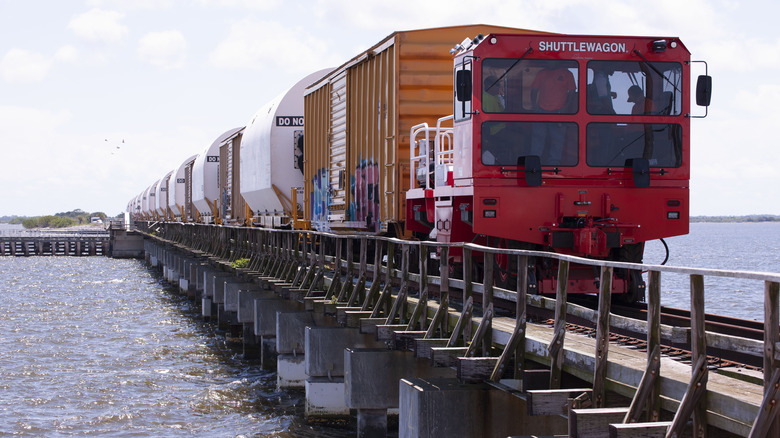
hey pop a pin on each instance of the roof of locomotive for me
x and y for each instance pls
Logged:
(577, 42)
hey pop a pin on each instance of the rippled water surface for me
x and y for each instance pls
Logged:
(730, 246)
(102, 347)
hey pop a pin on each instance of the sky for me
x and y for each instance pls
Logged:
(100, 98)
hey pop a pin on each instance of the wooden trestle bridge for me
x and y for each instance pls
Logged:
(55, 243)
(445, 342)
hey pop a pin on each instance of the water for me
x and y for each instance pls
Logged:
(732, 246)
(94, 346)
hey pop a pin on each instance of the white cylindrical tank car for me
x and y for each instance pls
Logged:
(152, 200)
(141, 201)
(205, 179)
(135, 207)
(161, 204)
(145, 203)
(232, 207)
(177, 185)
(173, 210)
(272, 155)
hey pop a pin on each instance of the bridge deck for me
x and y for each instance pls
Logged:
(731, 404)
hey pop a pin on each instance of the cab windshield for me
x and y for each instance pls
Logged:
(529, 86)
(617, 144)
(634, 88)
(627, 89)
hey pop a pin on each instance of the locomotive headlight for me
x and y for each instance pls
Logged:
(673, 215)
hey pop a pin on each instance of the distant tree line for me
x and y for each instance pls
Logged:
(58, 220)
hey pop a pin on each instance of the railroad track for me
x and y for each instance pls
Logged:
(717, 358)
(673, 352)
(725, 325)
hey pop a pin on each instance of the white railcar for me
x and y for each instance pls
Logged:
(205, 178)
(272, 155)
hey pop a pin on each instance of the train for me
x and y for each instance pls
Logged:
(510, 138)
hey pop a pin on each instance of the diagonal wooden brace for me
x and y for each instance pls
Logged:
(372, 295)
(383, 297)
(767, 413)
(517, 336)
(399, 300)
(465, 316)
(642, 393)
(696, 389)
(441, 313)
(479, 336)
(417, 313)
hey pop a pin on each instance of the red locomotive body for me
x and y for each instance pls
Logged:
(573, 144)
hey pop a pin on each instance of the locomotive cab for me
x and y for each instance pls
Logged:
(572, 144)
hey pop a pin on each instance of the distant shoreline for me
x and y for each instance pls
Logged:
(748, 218)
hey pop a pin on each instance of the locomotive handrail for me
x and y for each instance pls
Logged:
(423, 159)
(442, 149)
(444, 155)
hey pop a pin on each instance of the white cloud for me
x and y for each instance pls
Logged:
(385, 16)
(67, 53)
(758, 98)
(133, 5)
(25, 150)
(166, 49)
(248, 4)
(22, 66)
(98, 25)
(25, 119)
(260, 45)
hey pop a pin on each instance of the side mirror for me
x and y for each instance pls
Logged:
(703, 90)
(463, 85)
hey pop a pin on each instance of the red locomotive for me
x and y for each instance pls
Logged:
(573, 144)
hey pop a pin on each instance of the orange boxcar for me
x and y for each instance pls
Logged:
(358, 120)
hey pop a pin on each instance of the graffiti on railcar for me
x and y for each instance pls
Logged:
(364, 187)
(320, 196)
